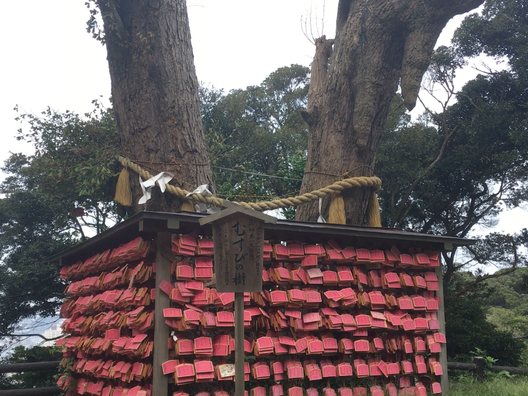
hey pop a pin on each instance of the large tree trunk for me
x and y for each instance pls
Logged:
(379, 44)
(155, 93)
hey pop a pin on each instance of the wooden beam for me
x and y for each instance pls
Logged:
(52, 390)
(160, 382)
(33, 366)
(495, 369)
(444, 381)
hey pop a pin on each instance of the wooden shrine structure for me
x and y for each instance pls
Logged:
(344, 310)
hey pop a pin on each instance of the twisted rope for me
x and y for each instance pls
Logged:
(352, 182)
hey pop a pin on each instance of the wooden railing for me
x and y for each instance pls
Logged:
(22, 367)
(479, 367)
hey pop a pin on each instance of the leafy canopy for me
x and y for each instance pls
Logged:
(51, 200)
(257, 137)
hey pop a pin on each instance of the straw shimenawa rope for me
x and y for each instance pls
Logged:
(373, 216)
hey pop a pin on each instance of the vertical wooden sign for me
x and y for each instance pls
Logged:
(239, 239)
(238, 235)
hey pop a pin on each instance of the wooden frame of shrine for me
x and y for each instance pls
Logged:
(344, 310)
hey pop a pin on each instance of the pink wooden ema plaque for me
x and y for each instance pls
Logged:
(238, 235)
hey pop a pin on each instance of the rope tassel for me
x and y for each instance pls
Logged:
(336, 211)
(187, 206)
(123, 193)
(373, 211)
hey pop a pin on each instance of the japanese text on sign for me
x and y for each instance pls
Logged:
(238, 253)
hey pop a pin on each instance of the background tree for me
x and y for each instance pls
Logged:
(51, 200)
(461, 166)
(468, 329)
(257, 137)
(499, 31)
(502, 302)
(507, 303)
(449, 183)
(155, 92)
(377, 45)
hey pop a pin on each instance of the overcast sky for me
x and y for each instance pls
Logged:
(50, 59)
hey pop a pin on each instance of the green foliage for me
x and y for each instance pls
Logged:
(481, 167)
(74, 156)
(92, 25)
(256, 132)
(51, 200)
(500, 31)
(494, 386)
(489, 362)
(459, 168)
(104, 11)
(405, 153)
(445, 62)
(483, 171)
(30, 379)
(503, 301)
(509, 320)
(509, 291)
(468, 330)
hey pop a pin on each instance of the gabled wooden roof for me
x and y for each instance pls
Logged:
(148, 224)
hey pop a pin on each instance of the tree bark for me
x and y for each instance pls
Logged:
(155, 94)
(379, 44)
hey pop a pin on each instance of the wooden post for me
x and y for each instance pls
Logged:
(444, 381)
(238, 235)
(239, 344)
(160, 382)
(480, 364)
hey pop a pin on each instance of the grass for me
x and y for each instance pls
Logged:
(498, 386)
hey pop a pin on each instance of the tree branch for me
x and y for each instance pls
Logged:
(482, 278)
(472, 217)
(111, 18)
(33, 335)
(402, 214)
(80, 229)
(323, 51)
(450, 267)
